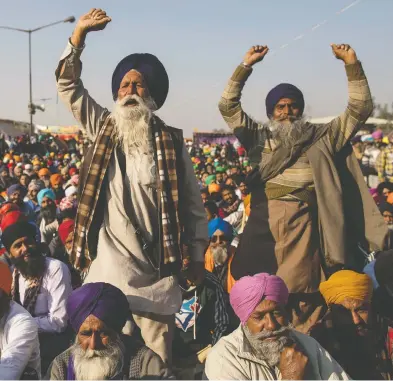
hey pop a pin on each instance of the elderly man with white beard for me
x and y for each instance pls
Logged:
(310, 208)
(140, 205)
(97, 313)
(264, 346)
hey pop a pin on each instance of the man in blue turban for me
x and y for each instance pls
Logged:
(139, 196)
(97, 313)
(310, 207)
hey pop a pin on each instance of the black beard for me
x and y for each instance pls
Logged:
(48, 214)
(34, 267)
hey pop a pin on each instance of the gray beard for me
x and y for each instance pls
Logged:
(287, 133)
(220, 255)
(132, 123)
(268, 350)
(98, 364)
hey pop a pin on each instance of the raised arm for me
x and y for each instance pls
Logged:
(360, 106)
(243, 126)
(87, 112)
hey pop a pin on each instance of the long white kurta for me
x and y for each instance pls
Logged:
(119, 258)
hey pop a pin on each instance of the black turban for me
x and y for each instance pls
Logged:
(153, 72)
(16, 231)
(384, 267)
(283, 90)
(104, 301)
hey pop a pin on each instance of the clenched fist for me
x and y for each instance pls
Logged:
(95, 20)
(292, 363)
(344, 53)
(255, 54)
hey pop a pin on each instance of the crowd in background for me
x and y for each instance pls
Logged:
(39, 180)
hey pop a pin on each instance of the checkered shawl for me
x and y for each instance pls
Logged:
(168, 199)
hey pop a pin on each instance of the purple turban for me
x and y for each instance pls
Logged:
(104, 301)
(283, 90)
(153, 72)
(220, 224)
(249, 291)
(15, 188)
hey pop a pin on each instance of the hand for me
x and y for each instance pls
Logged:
(292, 363)
(344, 53)
(255, 54)
(95, 20)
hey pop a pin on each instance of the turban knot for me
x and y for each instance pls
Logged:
(104, 301)
(220, 224)
(283, 90)
(249, 291)
(346, 284)
(153, 72)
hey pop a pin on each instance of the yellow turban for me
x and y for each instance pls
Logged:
(346, 284)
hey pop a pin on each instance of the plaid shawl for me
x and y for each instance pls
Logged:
(168, 201)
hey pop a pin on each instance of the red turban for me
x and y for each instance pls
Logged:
(65, 229)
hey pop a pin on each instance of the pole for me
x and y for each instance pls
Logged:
(30, 89)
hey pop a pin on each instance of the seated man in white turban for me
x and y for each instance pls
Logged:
(264, 347)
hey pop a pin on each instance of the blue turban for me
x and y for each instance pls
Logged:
(104, 301)
(153, 72)
(283, 90)
(16, 187)
(47, 192)
(220, 224)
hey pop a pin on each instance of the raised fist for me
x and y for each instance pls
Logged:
(95, 20)
(344, 53)
(255, 54)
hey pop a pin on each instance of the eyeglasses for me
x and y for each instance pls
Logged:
(219, 238)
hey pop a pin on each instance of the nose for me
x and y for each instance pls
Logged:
(270, 323)
(94, 341)
(24, 249)
(356, 318)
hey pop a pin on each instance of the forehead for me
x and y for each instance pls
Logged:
(267, 306)
(20, 240)
(92, 323)
(284, 101)
(132, 76)
(219, 233)
(351, 303)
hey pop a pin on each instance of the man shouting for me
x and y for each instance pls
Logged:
(310, 205)
(140, 205)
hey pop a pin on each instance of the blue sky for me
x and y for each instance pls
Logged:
(200, 44)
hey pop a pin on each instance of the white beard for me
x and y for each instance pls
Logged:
(98, 364)
(269, 350)
(220, 255)
(287, 133)
(132, 123)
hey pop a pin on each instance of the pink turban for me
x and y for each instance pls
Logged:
(249, 291)
(378, 134)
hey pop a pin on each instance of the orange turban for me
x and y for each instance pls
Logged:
(44, 172)
(56, 179)
(390, 198)
(346, 284)
(214, 188)
(5, 278)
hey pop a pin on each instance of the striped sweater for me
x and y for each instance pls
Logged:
(297, 179)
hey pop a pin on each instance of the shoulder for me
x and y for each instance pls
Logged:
(19, 323)
(55, 266)
(58, 368)
(225, 349)
(151, 365)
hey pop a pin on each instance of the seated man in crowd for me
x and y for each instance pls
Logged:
(211, 210)
(19, 346)
(348, 332)
(207, 305)
(41, 285)
(46, 220)
(98, 313)
(231, 203)
(264, 347)
(218, 256)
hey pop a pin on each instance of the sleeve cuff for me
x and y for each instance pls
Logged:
(71, 49)
(241, 73)
(355, 71)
